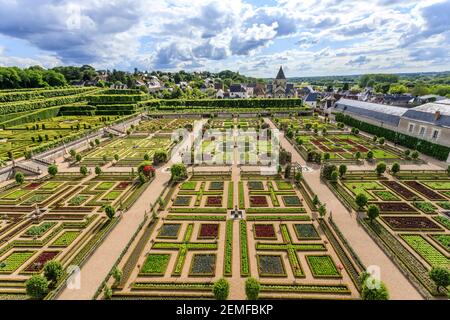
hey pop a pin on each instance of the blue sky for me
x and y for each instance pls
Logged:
(254, 37)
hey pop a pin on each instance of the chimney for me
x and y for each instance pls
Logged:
(437, 115)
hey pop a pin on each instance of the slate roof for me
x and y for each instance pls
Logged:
(237, 88)
(380, 112)
(312, 97)
(428, 113)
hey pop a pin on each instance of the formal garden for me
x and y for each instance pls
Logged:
(194, 241)
(61, 218)
(407, 213)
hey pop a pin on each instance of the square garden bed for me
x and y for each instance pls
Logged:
(271, 266)
(291, 201)
(208, 231)
(264, 231)
(306, 232)
(258, 201)
(323, 267)
(169, 230)
(203, 265)
(182, 201)
(214, 201)
(189, 185)
(155, 265)
(255, 185)
(216, 185)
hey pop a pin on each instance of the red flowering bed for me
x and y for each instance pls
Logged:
(430, 194)
(123, 185)
(258, 201)
(411, 223)
(40, 261)
(209, 231)
(214, 201)
(33, 185)
(264, 231)
(148, 171)
(400, 189)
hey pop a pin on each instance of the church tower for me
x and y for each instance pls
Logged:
(279, 85)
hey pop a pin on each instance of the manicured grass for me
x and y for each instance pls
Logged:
(322, 266)
(66, 239)
(155, 264)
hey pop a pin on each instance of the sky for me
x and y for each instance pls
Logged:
(254, 37)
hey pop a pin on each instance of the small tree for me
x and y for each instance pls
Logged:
(117, 274)
(358, 155)
(20, 178)
(36, 287)
(373, 212)
(178, 172)
(98, 170)
(395, 168)
(110, 211)
(381, 141)
(326, 156)
(315, 200)
(369, 155)
(287, 171)
(361, 200)
(160, 156)
(97, 142)
(441, 277)
(105, 158)
(53, 170)
(72, 153)
(375, 138)
(78, 157)
(381, 168)
(342, 170)
(107, 293)
(92, 144)
(53, 271)
(116, 157)
(415, 155)
(373, 289)
(221, 289)
(252, 288)
(407, 153)
(334, 176)
(298, 177)
(322, 210)
(83, 170)
(146, 157)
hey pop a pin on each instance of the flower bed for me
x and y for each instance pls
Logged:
(271, 266)
(306, 232)
(323, 267)
(203, 265)
(155, 265)
(386, 196)
(258, 201)
(122, 185)
(33, 185)
(208, 231)
(169, 230)
(426, 250)
(411, 223)
(245, 267)
(214, 201)
(306, 288)
(182, 201)
(264, 231)
(216, 185)
(255, 185)
(430, 194)
(395, 207)
(425, 207)
(40, 229)
(291, 201)
(400, 189)
(38, 264)
(283, 185)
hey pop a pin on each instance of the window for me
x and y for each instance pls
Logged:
(422, 131)
(411, 128)
(435, 134)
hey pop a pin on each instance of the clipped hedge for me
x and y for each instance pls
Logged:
(430, 149)
(103, 99)
(41, 94)
(224, 103)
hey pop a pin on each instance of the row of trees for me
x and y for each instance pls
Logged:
(32, 77)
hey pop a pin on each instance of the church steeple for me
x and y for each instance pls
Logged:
(280, 75)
